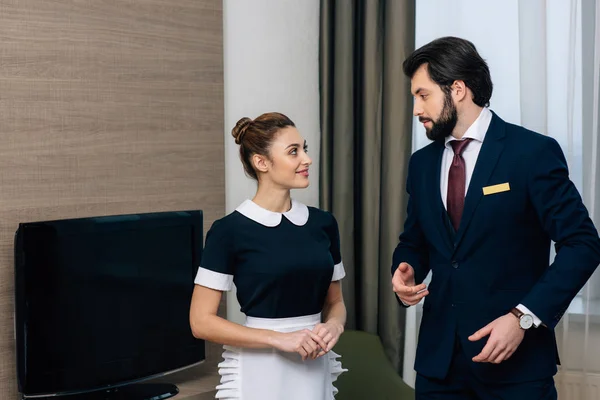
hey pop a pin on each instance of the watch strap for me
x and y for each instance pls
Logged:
(516, 312)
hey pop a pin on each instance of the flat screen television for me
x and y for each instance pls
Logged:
(102, 304)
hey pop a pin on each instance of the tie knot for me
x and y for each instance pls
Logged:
(459, 145)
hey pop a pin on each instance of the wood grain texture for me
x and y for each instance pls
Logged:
(106, 107)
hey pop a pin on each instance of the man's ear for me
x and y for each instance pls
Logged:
(261, 164)
(459, 90)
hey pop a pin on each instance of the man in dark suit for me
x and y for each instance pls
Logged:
(486, 199)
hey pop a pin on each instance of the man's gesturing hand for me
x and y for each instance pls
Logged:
(505, 336)
(403, 283)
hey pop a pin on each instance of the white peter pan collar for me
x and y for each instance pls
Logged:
(298, 214)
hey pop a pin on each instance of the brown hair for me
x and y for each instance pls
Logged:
(255, 137)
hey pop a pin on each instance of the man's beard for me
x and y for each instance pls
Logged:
(446, 122)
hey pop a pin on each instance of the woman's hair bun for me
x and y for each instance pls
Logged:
(240, 129)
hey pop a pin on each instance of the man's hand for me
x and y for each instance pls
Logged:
(505, 336)
(403, 283)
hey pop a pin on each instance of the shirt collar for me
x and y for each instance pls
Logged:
(298, 214)
(477, 130)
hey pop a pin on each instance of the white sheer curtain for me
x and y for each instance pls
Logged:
(545, 73)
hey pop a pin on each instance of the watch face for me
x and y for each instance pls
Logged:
(526, 321)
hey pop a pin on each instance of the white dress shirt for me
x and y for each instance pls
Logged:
(476, 132)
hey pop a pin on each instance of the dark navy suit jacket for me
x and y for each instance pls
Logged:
(499, 257)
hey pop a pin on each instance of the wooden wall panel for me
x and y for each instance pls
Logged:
(106, 107)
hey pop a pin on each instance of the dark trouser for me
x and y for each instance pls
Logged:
(462, 384)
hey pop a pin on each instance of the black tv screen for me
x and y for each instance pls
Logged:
(101, 302)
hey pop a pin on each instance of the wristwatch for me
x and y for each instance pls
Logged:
(525, 320)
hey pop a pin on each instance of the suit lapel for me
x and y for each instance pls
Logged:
(492, 147)
(435, 201)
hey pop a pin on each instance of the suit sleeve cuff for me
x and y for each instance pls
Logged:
(536, 321)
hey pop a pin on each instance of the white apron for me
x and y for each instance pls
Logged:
(269, 374)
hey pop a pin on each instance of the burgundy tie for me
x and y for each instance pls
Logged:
(456, 183)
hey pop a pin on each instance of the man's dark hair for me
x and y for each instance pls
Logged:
(450, 59)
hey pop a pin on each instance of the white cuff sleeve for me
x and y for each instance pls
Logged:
(536, 321)
(213, 280)
(338, 272)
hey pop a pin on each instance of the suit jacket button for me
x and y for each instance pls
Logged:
(454, 264)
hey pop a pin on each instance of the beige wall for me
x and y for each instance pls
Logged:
(106, 107)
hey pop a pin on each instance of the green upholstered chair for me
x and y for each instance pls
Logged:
(370, 375)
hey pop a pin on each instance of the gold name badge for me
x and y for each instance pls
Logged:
(503, 187)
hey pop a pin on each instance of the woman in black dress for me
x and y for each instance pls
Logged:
(284, 259)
